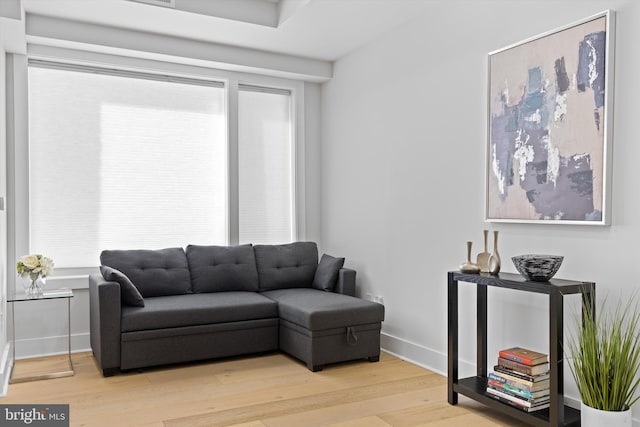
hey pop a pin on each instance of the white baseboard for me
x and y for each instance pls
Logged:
(418, 354)
(49, 346)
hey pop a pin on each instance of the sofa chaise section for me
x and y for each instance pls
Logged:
(320, 328)
(317, 325)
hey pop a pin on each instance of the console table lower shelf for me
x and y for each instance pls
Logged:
(475, 388)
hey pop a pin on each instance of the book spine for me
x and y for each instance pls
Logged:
(526, 394)
(515, 400)
(519, 375)
(509, 388)
(510, 372)
(507, 401)
(514, 365)
(517, 382)
(525, 369)
(505, 354)
(531, 401)
(520, 384)
(515, 405)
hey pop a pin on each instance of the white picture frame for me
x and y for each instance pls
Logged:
(549, 128)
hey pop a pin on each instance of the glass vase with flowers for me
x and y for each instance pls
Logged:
(36, 267)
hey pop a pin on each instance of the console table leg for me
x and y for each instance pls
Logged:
(452, 319)
(556, 369)
(481, 331)
(588, 302)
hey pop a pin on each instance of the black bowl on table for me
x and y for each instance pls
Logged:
(538, 268)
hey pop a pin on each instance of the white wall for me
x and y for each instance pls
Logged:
(403, 163)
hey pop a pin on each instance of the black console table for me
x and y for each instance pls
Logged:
(475, 387)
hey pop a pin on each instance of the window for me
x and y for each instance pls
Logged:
(265, 171)
(121, 160)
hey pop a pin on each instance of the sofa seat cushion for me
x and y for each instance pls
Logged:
(317, 310)
(197, 309)
(222, 268)
(286, 266)
(154, 272)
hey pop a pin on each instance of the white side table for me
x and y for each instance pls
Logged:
(46, 295)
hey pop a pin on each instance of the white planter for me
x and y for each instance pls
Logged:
(590, 417)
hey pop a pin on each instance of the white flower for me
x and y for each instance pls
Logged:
(30, 261)
(46, 266)
(34, 266)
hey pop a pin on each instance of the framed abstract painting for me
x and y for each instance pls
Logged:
(550, 126)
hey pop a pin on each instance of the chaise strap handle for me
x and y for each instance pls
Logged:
(352, 338)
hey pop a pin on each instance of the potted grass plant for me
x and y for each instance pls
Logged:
(605, 360)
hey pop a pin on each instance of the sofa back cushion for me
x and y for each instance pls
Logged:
(222, 268)
(154, 272)
(286, 266)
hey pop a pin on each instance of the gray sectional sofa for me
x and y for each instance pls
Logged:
(157, 307)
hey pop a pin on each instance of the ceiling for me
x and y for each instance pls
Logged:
(318, 29)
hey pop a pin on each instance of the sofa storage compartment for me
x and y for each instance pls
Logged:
(190, 343)
(319, 348)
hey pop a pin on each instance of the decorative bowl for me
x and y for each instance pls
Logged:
(538, 268)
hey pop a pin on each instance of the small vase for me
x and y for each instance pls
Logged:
(469, 267)
(494, 258)
(591, 417)
(36, 287)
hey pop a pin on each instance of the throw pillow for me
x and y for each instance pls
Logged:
(129, 294)
(327, 273)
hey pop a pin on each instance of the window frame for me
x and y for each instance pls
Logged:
(76, 277)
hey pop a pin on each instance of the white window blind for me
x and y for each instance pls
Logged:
(120, 162)
(265, 149)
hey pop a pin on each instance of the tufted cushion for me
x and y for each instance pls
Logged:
(286, 266)
(327, 273)
(222, 268)
(154, 272)
(129, 294)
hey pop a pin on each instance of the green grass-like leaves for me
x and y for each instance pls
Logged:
(605, 352)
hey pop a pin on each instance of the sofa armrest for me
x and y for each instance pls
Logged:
(346, 282)
(104, 322)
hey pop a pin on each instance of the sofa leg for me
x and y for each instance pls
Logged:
(315, 368)
(109, 372)
(374, 358)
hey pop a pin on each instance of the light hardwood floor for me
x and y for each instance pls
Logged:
(256, 391)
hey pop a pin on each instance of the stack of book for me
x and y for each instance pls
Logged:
(520, 379)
